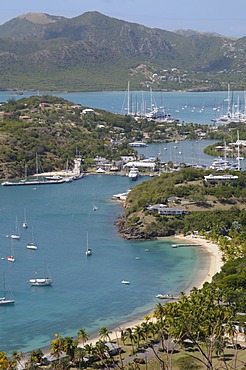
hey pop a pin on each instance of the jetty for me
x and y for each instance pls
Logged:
(185, 245)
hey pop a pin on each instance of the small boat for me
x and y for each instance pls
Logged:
(88, 251)
(4, 300)
(42, 281)
(125, 282)
(11, 257)
(16, 234)
(24, 224)
(95, 208)
(32, 245)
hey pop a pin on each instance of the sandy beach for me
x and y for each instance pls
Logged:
(215, 259)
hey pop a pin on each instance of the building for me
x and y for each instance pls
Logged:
(219, 178)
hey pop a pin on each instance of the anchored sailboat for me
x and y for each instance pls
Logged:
(24, 224)
(88, 251)
(16, 234)
(42, 281)
(4, 300)
(11, 257)
(32, 245)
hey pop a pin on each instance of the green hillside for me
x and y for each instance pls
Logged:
(95, 52)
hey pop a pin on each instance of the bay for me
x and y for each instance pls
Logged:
(87, 291)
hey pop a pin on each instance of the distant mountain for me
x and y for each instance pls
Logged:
(93, 52)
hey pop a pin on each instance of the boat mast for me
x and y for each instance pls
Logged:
(128, 98)
(238, 151)
(228, 102)
(36, 163)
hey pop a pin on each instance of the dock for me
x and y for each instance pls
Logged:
(186, 245)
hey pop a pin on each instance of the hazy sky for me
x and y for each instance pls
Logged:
(221, 16)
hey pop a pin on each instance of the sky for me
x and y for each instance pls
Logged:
(227, 18)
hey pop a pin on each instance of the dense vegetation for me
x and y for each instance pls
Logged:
(96, 52)
(56, 131)
(215, 211)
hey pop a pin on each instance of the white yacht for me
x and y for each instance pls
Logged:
(42, 281)
(134, 173)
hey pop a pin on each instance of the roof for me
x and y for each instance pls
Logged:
(142, 164)
(220, 177)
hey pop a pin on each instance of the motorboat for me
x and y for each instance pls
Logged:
(125, 282)
(134, 173)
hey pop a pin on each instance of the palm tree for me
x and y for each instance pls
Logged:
(82, 336)
(100, 351)
(104, 333)
(69, 346)
(16, 357)
(57, 346)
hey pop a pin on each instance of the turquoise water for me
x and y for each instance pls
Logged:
(87, 291)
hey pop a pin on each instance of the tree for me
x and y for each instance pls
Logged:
(104, 333)
(82, 336)
(199, 318)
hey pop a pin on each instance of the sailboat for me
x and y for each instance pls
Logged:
(4, 300)
(88, 251)
(25, 225)
(43, 281)
(16, 234)
(11, 256)
(32, 245)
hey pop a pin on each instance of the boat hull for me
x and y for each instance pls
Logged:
(40, 282)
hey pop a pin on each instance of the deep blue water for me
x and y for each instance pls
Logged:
(87, 291)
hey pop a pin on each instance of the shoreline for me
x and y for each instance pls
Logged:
(201, 276)
(209, 269)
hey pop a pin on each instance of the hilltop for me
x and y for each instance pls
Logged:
(96, 52)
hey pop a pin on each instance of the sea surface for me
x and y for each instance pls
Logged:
(87, 291)
(197, 107)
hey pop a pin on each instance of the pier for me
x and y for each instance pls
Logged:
(185, 245)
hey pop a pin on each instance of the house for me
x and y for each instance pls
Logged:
(44, 104)
(171, 211)
(88, 111)
(141, 164)
(219, 178)
(113, 348)
(156, 207)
